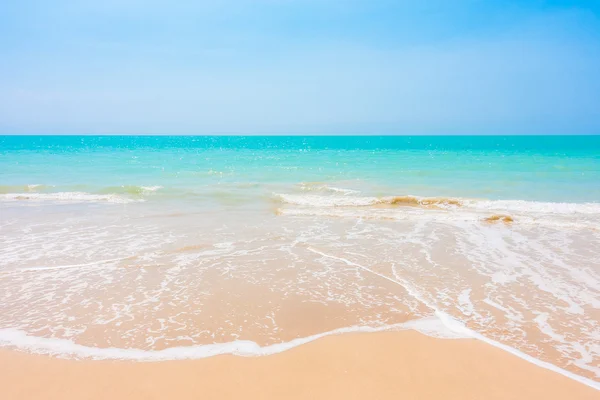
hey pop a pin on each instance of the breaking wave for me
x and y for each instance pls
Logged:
(358, 201)
(66, 197)
(76, 194)
(131, 190)
(321, 187)
(440, 203)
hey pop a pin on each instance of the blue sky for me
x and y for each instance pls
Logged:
(300, 67)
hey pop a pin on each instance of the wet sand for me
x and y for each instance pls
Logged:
(387, 365)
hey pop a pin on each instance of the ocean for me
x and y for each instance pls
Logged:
(168, 247)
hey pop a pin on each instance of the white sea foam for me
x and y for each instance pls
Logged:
(441, 326)
(459, 215)
(534, 206)
(326, 201)
(66, 197)
(341, 190)
(412, 253)
(33, 187)
(362, 201)
(487, 205)
(326, 188)
(151, 188)
(66, 348)
(555, 215)
(460, 329)
(57, 267)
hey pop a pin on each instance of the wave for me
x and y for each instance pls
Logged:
(356, 201)
(443, 203)
(366, 213)
(130, 190)
(10, 337)
(65, 194)
(534, 206)
(421, 201)
(321, 187)
(67, 197)
(326, 201)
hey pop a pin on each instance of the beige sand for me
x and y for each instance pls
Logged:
(390, 365)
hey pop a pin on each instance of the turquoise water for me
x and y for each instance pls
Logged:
(542, 168)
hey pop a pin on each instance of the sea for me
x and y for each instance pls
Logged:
(155, 248)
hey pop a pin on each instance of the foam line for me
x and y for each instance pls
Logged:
(310, 200)
(16, 338)
(71, 197)
(459, 327)
(32, 269)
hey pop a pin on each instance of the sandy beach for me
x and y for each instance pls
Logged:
(387, 365)
(280, 200)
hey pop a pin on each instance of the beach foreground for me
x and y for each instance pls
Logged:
(384, 365)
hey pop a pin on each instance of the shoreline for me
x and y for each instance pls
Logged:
(352, 365)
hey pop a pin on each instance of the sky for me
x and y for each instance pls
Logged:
(299, 67)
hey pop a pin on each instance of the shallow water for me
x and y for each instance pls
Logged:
(155, 247)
